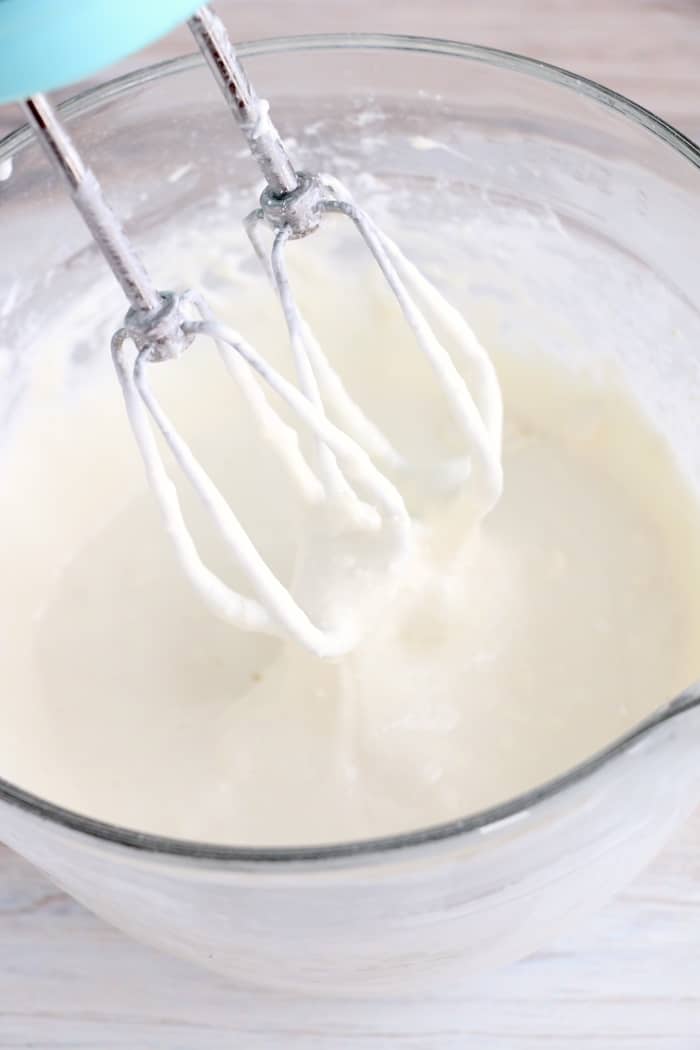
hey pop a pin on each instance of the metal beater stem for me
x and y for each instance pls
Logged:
(263, 139)
(88, 198)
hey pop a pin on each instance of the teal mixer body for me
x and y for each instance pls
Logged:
(47, 44)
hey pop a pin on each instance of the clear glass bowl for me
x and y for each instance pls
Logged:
(514, 137)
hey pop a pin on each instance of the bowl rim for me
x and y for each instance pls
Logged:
(520, 805)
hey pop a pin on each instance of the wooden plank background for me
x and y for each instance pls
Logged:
(631, 979)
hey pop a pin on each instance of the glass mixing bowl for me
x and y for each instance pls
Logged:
(474, 132)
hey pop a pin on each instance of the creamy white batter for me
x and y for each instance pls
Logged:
(508, 654)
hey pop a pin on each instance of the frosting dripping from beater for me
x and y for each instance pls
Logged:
(359, 535)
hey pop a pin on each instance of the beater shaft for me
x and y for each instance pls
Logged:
(90, 202)
(250, 111)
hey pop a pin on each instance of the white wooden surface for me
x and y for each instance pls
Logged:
(631, 978)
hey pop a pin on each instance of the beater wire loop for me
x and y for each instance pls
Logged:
(478, 414)
(273, 609)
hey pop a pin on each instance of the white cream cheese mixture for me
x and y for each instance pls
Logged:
(509, 650)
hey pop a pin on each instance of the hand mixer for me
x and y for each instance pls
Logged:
(351, 480)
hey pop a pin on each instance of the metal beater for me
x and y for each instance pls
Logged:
(366, 527)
